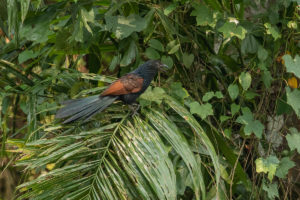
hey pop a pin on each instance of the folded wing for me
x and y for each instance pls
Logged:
(130, 83)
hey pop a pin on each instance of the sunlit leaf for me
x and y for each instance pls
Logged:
(272, 31)
(230, 29)
(245, 80)
(268, 165)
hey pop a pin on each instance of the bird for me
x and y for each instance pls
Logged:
(127, 89)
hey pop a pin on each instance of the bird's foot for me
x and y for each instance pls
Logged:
(134, 108)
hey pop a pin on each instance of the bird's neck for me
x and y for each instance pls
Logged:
(147, 74)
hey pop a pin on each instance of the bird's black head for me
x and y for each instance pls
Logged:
(157, 64)
(150, 68)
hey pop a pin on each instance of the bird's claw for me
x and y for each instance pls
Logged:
(134, 108)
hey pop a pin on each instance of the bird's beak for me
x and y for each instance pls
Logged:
(164, 67)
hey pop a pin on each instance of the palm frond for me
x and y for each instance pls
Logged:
(128, 159)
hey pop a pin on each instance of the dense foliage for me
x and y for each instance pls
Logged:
(222, 123)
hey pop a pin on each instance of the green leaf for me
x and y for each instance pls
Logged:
(129, 55)
(293, 99)
(251, 125)
(245, 80)
(178, 91)
(26, 55)
(268, 165)
(174, 49)
(24, 8)
(203, 110)
(122, 26)
(293, 139)
(249, 44)
(219, 95)
(170, 8)
(156, 44)
(208, 95)
(87, 16)
(271, 189)
(188, 59)
(262, 53)
(114, 63)
(292, 65)
(230, 29)
(38, 33)
(250, 95)
(267, 78)
(167, 24)
(224, 118)
(204, 15)
(234, 108)
(152, 53)
(272, 31)
(167, 60)
(284, 166)
(233, 91)
(170, 45)
(180, 144)
(152, 95)
(6, 102)
(228, 132)
(178, 108)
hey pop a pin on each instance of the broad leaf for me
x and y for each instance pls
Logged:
(262, 53)
(293, 99)
(230, 29)
(188, 59)
(167, 60)
(271, 189)
(204, 15)
(122, 26)
(233, 91)
(284, 166)
(203, 110)
(251, 125)
(293, 139)
(272, 31)
(152, 53)
(156, 44)
(268, 165)
(292, 65)
(245, 80)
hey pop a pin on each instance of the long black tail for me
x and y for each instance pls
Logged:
(84, 108)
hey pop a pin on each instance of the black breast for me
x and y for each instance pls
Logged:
(130, 98)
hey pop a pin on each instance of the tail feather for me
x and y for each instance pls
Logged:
(75, 105)
(85, 108)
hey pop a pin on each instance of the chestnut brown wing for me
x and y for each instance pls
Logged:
(130, 83)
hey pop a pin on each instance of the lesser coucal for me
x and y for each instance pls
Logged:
(127, 88)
